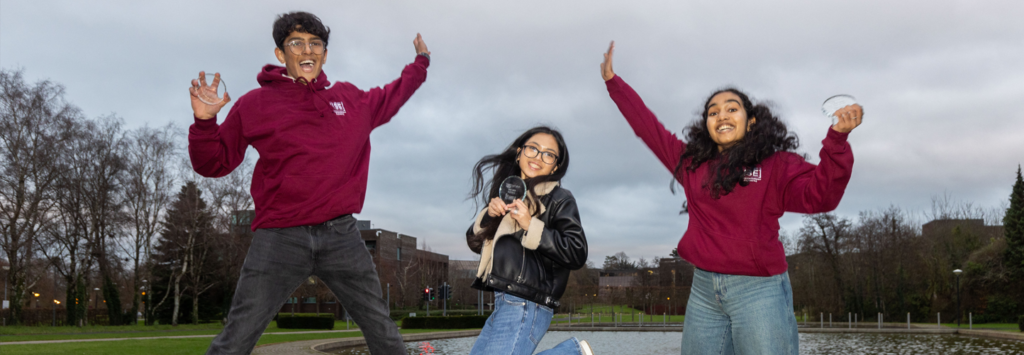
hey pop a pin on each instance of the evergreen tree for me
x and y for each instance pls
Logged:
(179, 253)
(1013, 224)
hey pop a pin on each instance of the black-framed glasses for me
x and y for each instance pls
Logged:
(547, 157)
(297, 47)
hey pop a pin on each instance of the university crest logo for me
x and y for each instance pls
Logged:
(339, 108)
(753, 175)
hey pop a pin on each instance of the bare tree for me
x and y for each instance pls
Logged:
(146, 184)
(34, 122)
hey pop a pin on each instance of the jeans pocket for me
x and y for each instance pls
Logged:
(541, 321)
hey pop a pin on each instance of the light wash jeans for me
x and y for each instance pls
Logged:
(515, 328)
(735, 314)
(281, 259)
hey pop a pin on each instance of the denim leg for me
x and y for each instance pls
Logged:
(276, 264)
(514, 328)
(761, 309)
(706, 328)
(344, 264)
(570, 346)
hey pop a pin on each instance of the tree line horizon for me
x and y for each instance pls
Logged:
(87, 204)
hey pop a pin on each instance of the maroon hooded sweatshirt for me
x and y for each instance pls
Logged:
(313, 141)
(738, 233)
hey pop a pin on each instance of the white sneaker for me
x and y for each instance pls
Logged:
(585, 346)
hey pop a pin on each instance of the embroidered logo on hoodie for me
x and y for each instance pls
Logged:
(339, 108)
(753, 175)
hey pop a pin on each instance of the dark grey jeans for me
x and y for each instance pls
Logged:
(281, 259)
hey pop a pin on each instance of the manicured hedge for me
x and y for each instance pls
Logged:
(305, 321)
(459, 322)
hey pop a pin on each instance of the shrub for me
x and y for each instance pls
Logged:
(1020, 323)
(460, 322)
(305, 321)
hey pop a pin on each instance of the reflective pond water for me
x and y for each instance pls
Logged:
(668, 343)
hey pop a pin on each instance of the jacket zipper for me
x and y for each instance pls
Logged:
(522, 266)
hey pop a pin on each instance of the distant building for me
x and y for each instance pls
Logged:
(966, 225)
(402, 268)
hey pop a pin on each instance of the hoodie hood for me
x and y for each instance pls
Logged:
(278, 74)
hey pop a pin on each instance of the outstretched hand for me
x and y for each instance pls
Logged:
(606, 66)
(848, 118)
(420, 46)
(200, 109)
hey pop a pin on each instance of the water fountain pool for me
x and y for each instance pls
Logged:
(668, 343)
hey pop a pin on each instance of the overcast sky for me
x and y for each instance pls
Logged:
(942, 83)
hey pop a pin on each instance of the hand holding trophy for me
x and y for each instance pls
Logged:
(845, 112)
(511, 189)
(207, 100)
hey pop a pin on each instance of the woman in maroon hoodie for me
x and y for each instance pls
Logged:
(739, 175)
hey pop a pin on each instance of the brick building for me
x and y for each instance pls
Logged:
(402, 267)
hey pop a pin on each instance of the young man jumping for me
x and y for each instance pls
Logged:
(313, 140)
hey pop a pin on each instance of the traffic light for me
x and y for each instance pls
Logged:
(426, 294)
(446, 292)
(432, 294)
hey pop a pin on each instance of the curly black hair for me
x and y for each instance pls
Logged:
(767, 135)
(500, 166)
(299, 21)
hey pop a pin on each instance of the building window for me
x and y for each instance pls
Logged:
(309, 300)
(371, 245)
(399, 253)
(292, 300)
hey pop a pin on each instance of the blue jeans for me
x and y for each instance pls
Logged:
(515, 328)
(281, 259)
(735, 314)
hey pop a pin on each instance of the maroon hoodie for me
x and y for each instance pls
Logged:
(313, 143)
(738, 233)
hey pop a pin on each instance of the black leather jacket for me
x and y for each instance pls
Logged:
(534, 264)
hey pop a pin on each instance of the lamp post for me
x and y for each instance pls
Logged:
(7, 271)
(145, 316)
(36, 295)
(957, 272)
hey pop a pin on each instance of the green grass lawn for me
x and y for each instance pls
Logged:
(20, 333)
(167, 346)
(603, 314)
(1007, 327)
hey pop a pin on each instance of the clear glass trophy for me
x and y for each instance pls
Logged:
(212, 93)
(835, 103)
(511, 189)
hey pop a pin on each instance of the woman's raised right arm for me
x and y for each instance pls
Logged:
(665, 145)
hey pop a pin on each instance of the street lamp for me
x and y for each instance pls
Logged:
(145, 317)
(958, 272)
(7, 270)
(36, 295)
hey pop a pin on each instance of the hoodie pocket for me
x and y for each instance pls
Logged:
(301, 190)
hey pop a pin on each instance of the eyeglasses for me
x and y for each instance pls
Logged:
(531, 152)
(297, 47)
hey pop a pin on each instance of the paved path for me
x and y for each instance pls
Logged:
(308, 347)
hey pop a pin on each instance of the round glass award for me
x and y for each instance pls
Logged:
(511, 189)
(835, 103)
(212, 94)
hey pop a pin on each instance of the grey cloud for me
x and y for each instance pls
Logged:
(940, 82)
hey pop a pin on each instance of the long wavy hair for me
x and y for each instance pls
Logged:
(492, 169)
(767, 135)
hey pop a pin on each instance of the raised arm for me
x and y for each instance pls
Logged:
(665, 145)
(818, 189)
(215, 150)
(385, 102)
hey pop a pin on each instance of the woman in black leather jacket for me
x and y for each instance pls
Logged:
(527, 248)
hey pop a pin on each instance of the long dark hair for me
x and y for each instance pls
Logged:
(492, 169)
(767, 135)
